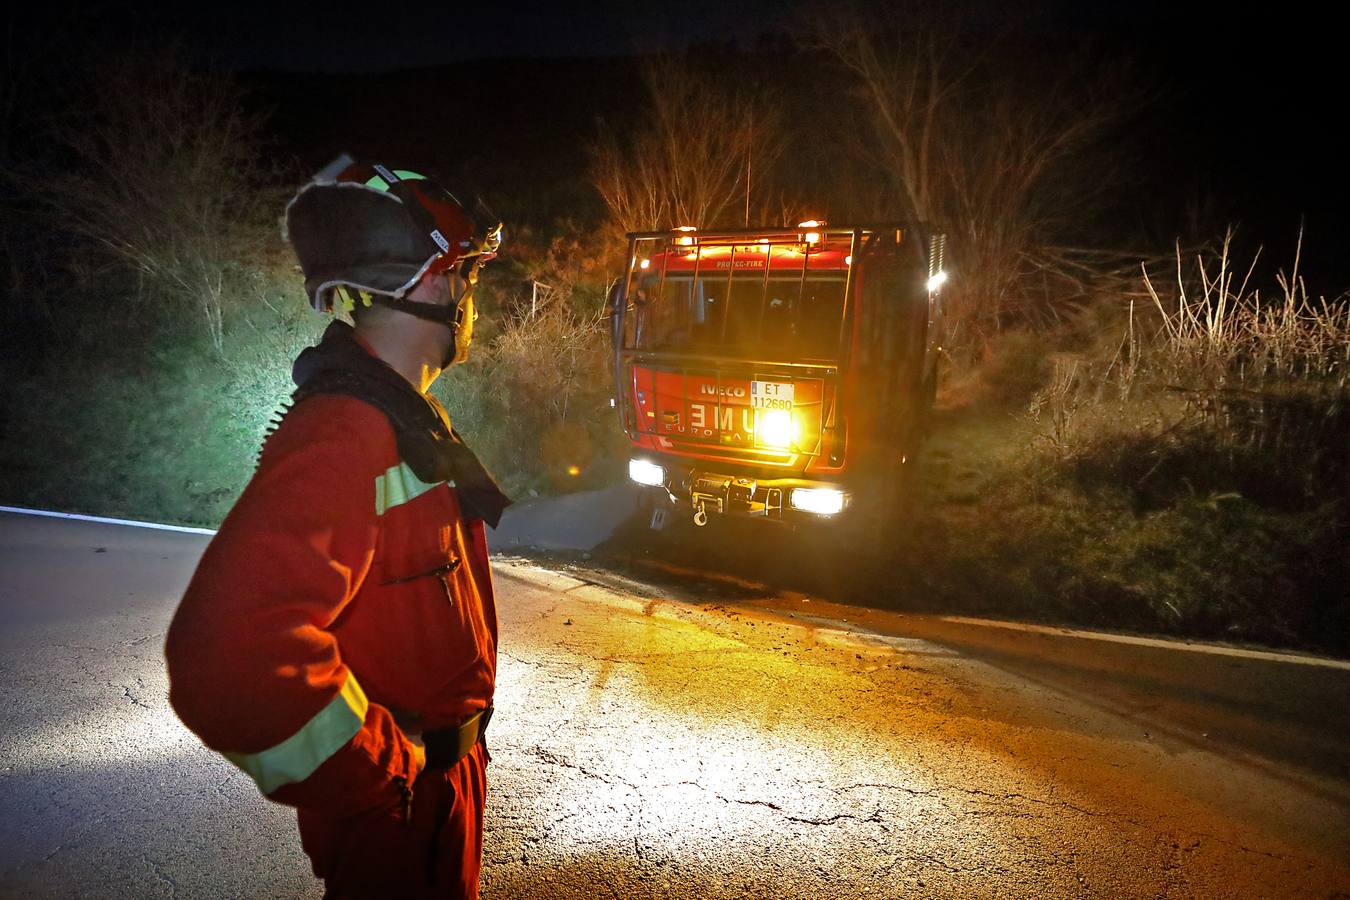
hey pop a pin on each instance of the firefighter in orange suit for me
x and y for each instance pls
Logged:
(338, 640)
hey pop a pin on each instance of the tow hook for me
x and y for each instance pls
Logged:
(700, 515)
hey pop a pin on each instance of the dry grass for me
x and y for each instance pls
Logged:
(1211, 357)
(1181, 465)
(1219, 333)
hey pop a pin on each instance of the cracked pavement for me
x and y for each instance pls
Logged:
(650, 746)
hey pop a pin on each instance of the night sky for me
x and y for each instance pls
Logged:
(345, 37)
(1247, 100)
(309, 35)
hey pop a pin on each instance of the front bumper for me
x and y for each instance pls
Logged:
(721, 493)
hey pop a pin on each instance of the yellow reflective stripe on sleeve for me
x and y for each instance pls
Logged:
(296, 758)
(399, 485)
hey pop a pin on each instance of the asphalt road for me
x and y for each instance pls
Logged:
(737, 745)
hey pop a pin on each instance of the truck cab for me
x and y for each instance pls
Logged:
(776, 373)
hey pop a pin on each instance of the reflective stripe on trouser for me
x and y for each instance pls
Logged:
(438, 853)
(296, 758)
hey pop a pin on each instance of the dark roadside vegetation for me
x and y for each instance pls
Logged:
(1143, 422)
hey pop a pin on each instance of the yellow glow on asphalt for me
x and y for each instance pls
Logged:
(742, 750)
(689, 742)
(693, 781)
(710, 786)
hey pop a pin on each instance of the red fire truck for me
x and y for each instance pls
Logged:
(781, 373)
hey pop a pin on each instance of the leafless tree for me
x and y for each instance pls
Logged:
(699, 156)
(989, 158)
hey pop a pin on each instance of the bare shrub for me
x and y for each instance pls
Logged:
(163, 189)
(549, 350)
(1056, 406)
(535, 395)
(697, 157)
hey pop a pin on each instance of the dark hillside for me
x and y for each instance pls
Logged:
(514, 130)
(1229, 123)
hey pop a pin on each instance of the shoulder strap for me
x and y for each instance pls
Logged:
(426, 442)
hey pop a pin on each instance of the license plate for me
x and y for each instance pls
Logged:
(771, 394)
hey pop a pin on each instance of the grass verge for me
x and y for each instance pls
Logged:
(1178, 466)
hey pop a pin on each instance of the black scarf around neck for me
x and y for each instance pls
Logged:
(426, 441)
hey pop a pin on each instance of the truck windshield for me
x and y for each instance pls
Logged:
(778, 319)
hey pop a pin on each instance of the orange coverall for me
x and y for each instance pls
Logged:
(342, 591)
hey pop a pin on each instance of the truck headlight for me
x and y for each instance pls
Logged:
(644, 472)
(773, 428)
(821, 501)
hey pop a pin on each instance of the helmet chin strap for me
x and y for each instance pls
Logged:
(432, 312)
(442, 314)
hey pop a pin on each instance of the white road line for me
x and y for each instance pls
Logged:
(105, 521)
(1212, 649)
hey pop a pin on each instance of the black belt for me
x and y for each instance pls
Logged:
(447, 746)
